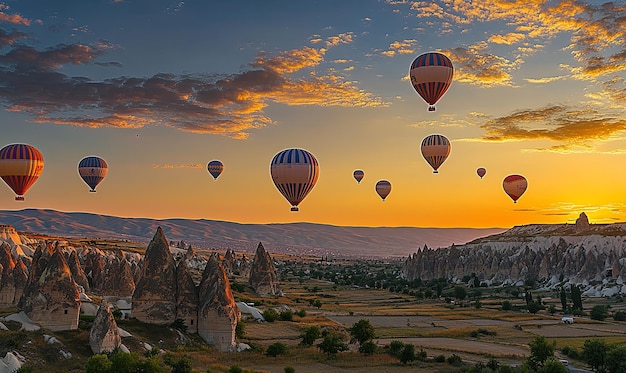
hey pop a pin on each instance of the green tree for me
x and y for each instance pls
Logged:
(309, 335)
(507, 306)
(332, 344)
(563, 299)
(276, 349)
(594, 353)
(240, 329)
(290, 370)
(460, 292)
(286, 315)
(540, 351)
(599, 312)
(98, 363)
(150, 365)
(616, 360)
(407, 354)
(181, 365)
(362, 331)
(552, 309)
(123, 362)
(395, 348)
(577, 302)
(317, 304)
(534, 307)
(368, 347)
(552, 365)
(619, 316)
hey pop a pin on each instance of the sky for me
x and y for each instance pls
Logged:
(160, 88)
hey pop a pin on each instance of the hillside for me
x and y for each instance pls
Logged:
(297, 238)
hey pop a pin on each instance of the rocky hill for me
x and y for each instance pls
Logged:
(297, 238)
(592, 255)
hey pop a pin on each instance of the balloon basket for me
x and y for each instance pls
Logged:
(295, 208)
(431, 108)
(435, 172)
(92, 191)
(19, 198)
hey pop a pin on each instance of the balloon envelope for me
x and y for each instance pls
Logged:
(358, 175)
(435, 149)
(383, 188)
(93, 170)
(20, 167)
(431, 75)
(515, 186)
(481, 172)
(215, 168)
(294, 172)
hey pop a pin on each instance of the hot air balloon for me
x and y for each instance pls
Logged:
(20, 166)
(383, 188)
(435, 149)
(358, 175)
(515, 186)
(215, 168)
(431, 76)
(93, 170)
(481, 171)
(294, 172)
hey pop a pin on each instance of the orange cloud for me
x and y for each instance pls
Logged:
(400, 47)
(228, 105)
(508, 39)
(570, 128)
(475, 66)
(15, 19)
(181, 165)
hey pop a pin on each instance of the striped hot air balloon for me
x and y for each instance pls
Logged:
(431, 75)
(435, 149)
(93, 170)
(383, 188)
(294, 172)
(20, 167)
(358, 175)
(515, 186)
(215, 168)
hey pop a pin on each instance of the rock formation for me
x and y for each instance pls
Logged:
(582, 223)
(77, 271)
(13, 277)
(51, 297)
(154, 299)
(186, 298)
(263, 277)
(218, 313)
(104, 335)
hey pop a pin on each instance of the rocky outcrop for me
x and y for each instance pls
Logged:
(186, 298)
(218, 313)
(12, 277)
(51, 298)
(154, 299)
(77, 271)
(104, 335)
(263, 277)
(582, 223)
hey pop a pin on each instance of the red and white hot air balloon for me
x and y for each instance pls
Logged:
(431, 75)
(294, 172)
(20, 167)
(383, 188)
(435, 149)
(515, 186)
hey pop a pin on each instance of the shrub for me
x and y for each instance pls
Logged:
(367, 348)
(439, 359)
(309, 335)
(286, 315)
(235, 369)
(290, 370)
(407, 354)
(599, 312)
(570, 352)
(270, 315)
(454, 359)
(507, 306)
(619, 316)
(276, 349)
(395, 347)
(240, 329)
(301, 313)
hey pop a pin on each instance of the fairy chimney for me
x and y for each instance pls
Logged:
(218, 313)
(104, 335)
(186, 297)
(154, 299)
(582, 223)
(263, 277)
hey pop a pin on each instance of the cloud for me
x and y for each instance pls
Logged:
(545, 80)
(568, 127)
(15, 19)
(508, 39)
(227, 104)
(476, 66)
(180, 165)
(7, 39)
(400, 47)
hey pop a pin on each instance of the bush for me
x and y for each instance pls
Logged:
(235, 369)
(407, 354)
(570, 352)
(270, 315)
(290, 370)
(454, 359)
(276, 349)
(286, 315)
(599, 312)
(309, 335)
(367, 348)
(439, 359)
(507, 306)
(240, 329)
(619, 316)
(395, 347)
(98, 363)
(301, 313)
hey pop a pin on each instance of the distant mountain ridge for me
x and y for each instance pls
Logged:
(297, 238)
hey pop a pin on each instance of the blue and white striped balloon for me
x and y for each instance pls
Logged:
(92, 170)
(294, 172)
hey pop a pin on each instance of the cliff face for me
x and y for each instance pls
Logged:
(263, 277)
(551, 254)
(154, 299)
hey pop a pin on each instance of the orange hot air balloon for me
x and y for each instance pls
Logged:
(20, 167)
(431, 75)
(481, 171)
(515, 186)
(358, 175)
(435, 149)
(383, 188)
(294, 172)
